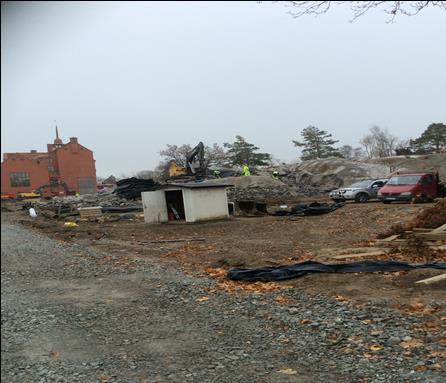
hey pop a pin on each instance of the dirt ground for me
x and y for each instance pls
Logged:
(264, 241)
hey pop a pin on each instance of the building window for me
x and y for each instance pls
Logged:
(19, 179)
(50, 165)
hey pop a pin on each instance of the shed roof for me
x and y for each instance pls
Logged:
(196, 185)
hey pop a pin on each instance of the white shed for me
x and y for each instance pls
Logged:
(190, 202)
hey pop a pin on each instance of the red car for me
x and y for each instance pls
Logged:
(406, 187)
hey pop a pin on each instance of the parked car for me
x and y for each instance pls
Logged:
(360, 191)
(422, 187)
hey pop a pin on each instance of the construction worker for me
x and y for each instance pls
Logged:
(275, 174)
(217, 174)
(246, 171)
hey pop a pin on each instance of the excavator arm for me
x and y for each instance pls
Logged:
(52, 184)
(196, 153)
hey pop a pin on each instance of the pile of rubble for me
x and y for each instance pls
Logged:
(88, 200)
(263, 188)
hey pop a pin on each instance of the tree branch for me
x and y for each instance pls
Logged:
(360, 8)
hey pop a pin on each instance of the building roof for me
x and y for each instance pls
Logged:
(26, 155)
(196, 185)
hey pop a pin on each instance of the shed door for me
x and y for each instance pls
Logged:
(86, 185)
(154, 204)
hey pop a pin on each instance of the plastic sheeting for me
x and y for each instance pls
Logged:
(131, 188)
(314, 208)
(279, 273)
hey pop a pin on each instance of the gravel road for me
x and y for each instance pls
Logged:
(67, 318)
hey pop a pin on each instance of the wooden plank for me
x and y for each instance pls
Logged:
(395, 242)
(440, 229)
(437, 278)
(175, 240)
(432, 236)
(93, 211)
(177, 216)
(389, 239)
(354, 255)
(421, 230)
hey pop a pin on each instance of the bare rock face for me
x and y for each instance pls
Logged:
(329, 173)
(415, 163)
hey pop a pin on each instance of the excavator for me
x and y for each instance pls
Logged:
(195, 164)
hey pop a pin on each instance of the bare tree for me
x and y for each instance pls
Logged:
(359, 8)
(379, 143)
(368, 143)
(350, 153)
(214, 155)
(176, 153)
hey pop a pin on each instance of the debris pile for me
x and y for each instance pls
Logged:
(263, 188)
(131, 188)
(429, 218)
(259, 193)
(85, 200)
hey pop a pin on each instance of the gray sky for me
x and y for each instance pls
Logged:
(129, 78)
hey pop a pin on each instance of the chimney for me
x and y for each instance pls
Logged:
(33, 151)
(73, 140)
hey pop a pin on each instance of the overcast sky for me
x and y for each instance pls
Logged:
(129, 78)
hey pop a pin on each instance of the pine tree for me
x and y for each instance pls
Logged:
(242, 152)
(317, 144)
(432, 140)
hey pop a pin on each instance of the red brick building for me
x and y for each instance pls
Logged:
(64, 169)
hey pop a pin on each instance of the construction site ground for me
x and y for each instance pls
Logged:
(264, 241)
(394, 317)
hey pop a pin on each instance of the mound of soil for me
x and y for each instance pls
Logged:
(428, 218)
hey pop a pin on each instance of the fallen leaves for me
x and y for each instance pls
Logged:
(54, 354)
(220, 273)
(432, 327)
(440, 354)
(411, 343)
(288, 371)
(346, 350)
(202, 299)
(103, 378)
(281, 299)
(341, 298)
(416, 308)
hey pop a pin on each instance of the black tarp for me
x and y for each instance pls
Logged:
(131, 188)
(314, 208)
(279, 273)
(120, 209)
